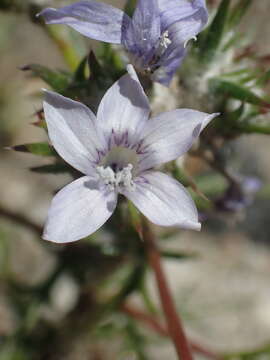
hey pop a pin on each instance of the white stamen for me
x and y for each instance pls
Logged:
(114, 180)
(165, 40)
(107, 175)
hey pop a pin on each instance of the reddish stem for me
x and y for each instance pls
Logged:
(173, 321)
(161, 329)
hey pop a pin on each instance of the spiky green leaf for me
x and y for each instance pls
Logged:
(41, 148)
(80, 71)
(214, 33)
(94, 66)
(130, 7)
(57, 80)
(230, 89)
(57, 168)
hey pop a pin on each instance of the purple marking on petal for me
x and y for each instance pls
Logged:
(141, 180)
(125, 138)
(109, 143)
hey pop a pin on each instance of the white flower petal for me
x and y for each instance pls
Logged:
(189, 16)
(96, 20)
(78, 210)
(171, 134)
(124, 108)
(164, 201)
(72, 131)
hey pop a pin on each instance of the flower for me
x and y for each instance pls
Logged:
(155, 38)
(239, 195)
(117, 150)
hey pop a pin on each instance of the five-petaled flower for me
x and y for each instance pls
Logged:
(117, 150)
(155, 38)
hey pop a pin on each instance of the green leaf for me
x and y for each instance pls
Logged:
(236, 91)
(249, 127)
(70, 43)
(111, 60)
(264, 79)
(132, 283)
(130, 7)
(237, 114)
(136, 341)
(57, 168)
(255, 354)
(238, 11)
(80, 71)
(42, 149)
(242, 76)
(178, 255)
(58, 80)
(214, 33)
(94, 66)
(135, 217)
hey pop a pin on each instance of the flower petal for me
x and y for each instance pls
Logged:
(171, 134)
(183, 20)
(169, 63)
(164, 201)
(93, 19)
(78, 210)
(143, 32)
(192, 11)
(124, 109)
(186, 29)
(71, 127)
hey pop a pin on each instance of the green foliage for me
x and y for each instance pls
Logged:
(135, 340)
(41, 149)
(256, 354)
(57, 80)
(226, 88)
(70, 44)
(130, 6)
(57, 168)
(111, 61)
(212, 37)
(238, 11)
(178, 255)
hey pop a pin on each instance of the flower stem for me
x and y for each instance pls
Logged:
(161, 329)
(173, 321)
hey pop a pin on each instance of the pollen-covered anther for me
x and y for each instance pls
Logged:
(165, 41)
(117, 179)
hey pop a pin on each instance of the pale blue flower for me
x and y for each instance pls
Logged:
(155, 38)
(117, 150)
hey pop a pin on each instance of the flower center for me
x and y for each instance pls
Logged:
(116, 180)
(117, 168)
